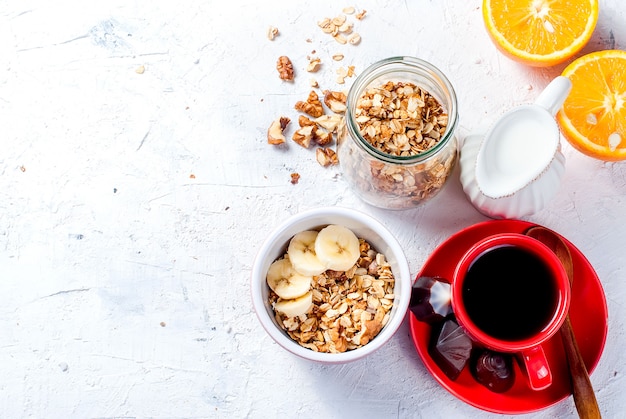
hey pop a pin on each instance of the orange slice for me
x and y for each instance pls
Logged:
(593, 117)
(540, 32)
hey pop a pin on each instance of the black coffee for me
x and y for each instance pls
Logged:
(508, 293)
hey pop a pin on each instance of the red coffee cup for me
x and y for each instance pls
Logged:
(510, 293)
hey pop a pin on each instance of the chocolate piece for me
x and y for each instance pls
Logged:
(494, 370)
(430, 299)
(450, 348)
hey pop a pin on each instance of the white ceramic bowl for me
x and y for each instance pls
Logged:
(364, 227)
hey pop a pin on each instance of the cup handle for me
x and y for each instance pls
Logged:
(536, 364)
(555, 93)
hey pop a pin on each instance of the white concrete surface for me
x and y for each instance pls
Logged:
(131, 205)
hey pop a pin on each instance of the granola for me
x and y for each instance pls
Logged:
(349, 308)
(401, 120)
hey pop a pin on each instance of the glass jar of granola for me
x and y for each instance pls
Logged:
(398, 145)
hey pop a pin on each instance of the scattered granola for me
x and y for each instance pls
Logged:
(349, 308)
(295, 177)
(339, 26)
(285, 68)
(322, 128)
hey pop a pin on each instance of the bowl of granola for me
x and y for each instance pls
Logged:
(331, 284)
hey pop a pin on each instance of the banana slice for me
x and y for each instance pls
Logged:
(302, 255)
(295, 307)
(337, 247)
(285, 281)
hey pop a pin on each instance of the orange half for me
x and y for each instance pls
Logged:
(593, 117)
(540, 32)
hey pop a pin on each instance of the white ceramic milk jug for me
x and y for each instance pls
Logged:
(516, 167)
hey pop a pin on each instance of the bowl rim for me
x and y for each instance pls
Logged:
(400, 304)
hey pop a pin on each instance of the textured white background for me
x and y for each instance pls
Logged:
(132, 205)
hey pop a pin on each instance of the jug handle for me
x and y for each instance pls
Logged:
(554, 94)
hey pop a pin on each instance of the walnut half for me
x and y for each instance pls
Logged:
(285, 68)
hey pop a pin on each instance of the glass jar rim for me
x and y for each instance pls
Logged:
(412, 64)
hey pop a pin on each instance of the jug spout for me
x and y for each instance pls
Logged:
(554, 94)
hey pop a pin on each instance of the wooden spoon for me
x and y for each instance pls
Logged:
(584, 397)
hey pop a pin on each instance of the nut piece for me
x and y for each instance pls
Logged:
(272, 32)
(285, 68)
(322, 137)
(314, 65)
(312, 106)
(329, 122)
(275, 134)
(295, 177)
(303, 121)
(336, 101)
(319, 136)
(326, 157)
(304, 135)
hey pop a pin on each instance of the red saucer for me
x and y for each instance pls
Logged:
(588, 315)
